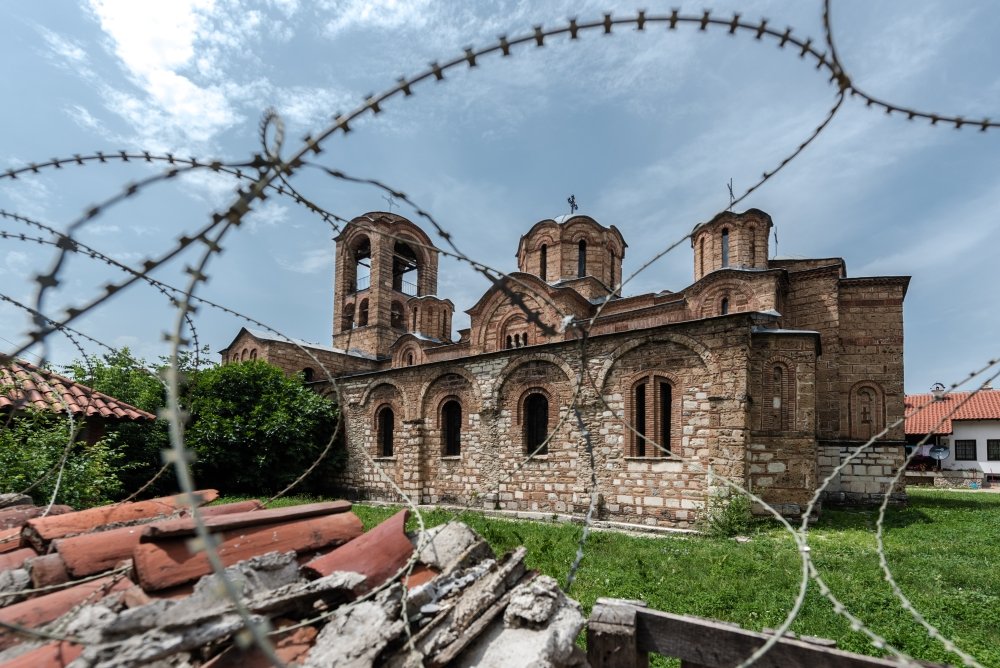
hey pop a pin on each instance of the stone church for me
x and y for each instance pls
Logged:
(766, 371)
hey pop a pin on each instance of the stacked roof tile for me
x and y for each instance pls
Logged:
(125, 585)
(925, 415)
(24, 385)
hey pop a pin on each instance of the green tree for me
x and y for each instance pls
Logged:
(254, 430)
(32, 444)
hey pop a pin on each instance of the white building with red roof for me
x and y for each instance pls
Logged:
(967, 423)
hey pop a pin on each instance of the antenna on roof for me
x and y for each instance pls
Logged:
(732, 197)
(390, 201)
(572, 204)
(937, 389)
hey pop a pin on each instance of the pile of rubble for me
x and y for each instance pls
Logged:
(127, 585)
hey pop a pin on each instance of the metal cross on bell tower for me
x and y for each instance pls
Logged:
(572, 204)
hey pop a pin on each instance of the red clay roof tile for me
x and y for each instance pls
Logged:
(982, 405)
(23, 384)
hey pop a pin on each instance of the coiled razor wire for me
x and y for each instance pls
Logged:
(269, 172)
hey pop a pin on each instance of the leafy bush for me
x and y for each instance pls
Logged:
(255, 431)
(33, 442)
(730, 517)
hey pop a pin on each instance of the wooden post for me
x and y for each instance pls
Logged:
(611, 635)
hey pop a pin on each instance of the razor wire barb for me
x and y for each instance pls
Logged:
(264, 170)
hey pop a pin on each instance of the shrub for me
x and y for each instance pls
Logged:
(254, 431)
(730, 517)
(33, 442)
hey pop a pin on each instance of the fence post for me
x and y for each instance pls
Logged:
(611, 635)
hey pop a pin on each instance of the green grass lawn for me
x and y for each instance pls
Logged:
(944, 550)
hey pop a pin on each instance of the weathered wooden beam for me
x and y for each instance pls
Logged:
(611, 635)
(710, 643)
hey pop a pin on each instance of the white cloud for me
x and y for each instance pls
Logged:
(63, 47)
(265, 215)
(379, 14)
(15, 262)
(313, 261)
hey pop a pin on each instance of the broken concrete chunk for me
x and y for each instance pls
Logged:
(550, 644)
(7, 500)
(534, 603)
(356, 635)
(449, 546)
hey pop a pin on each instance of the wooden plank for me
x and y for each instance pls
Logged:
(184, 526)
(711, 643)
(611, 635)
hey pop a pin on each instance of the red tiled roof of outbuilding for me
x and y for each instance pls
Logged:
(24, 385)
(923, 413)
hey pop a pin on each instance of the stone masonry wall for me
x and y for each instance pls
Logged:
(708, 426)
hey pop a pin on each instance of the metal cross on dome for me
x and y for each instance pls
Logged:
(572, 203)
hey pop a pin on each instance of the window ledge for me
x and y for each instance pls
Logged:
(382, 458)
(537, 458)
(657, 458)
(451, 458)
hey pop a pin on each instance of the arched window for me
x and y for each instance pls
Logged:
(414, 327)
(725, 247)
(363, 313)
(308, 375)
(510, 341)
(581, 261)
(409, 359)
(347, 320)
(724, 306)
(779, 392)
(536, 423)
(406, 269)
(451, 428)
(362, 265)
(752, 234)
(524, 339)
(652, 416)
(701, 257)
(386, 423)
(253, 354)
(611, 267)
(243, 357)
(543, 262)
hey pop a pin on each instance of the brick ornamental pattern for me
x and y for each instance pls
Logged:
(769, 371)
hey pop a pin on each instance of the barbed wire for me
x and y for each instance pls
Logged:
(270, 168)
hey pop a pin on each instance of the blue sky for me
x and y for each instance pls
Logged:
(645, 129)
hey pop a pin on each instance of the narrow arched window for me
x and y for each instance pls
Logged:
(724, 307)
(386, 424)
(611, 267)
(581, 262)
(348, 317)
(524, 339)
(752, 232)
(510, 341)
(701, 257)
(308, 375)
(652, 416)
(253, 354)
(363, 313)
(243, 357)
(536, 424)
(725, 247)
(451, 428)
(413, 327)
(409, 359)
(543, 263)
